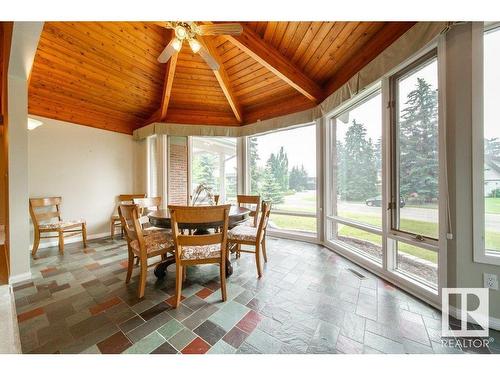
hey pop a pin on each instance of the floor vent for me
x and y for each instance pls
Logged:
(358, 274)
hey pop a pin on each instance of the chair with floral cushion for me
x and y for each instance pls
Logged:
(193, 249)
(48, 209)
(254, 202)
(115, 222)
(140, 246)
(146, 206)
(254, 236)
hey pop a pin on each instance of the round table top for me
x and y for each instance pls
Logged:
(161, 219)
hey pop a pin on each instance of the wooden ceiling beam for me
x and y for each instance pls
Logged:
(223, 79)
(161, 113)
(250, 42)
(379, 42)
(169, 80)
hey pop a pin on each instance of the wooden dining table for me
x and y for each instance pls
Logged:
(161, 219)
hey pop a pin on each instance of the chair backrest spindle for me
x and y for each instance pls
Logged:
(253, 200)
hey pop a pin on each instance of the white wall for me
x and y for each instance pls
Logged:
(87, 167)
(25, 38)
(462, 270)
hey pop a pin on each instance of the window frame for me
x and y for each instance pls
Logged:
(291, 233)
(153, 165)
(331, 218)
(237, 157)
(394, 203)
(389, 270)
(481, 253)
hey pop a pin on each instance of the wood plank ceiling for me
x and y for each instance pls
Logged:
(105, 74)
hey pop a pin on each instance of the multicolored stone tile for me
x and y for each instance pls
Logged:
(307, 301)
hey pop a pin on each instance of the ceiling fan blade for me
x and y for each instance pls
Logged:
(167, 52)
(212, 63)
(220, 29)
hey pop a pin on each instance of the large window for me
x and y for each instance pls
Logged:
(214, 164)
(487, 144)
(415, 168)
(282, 168)
(383, 173)
(492, 139)
(356, 176)
(415, 144)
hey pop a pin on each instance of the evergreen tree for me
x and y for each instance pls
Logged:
(357, 169)
(492, 149)
(418, 143)
(206, 170)
(298, 178)
(279, 168)
(377, 155)
(255, 173)
(271, 189)
(341, 170)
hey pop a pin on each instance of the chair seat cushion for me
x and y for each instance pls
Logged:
(201, 252)
(157, 242)
(243, 233)
(61, 224)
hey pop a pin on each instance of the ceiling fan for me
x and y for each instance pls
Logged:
(188, 32)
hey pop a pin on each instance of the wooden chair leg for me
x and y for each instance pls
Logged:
(238, 251)
(61, 242)
(257, 259)
(112, 229)
(142, 278)
(178, 284)
(36, 242)
(130, 266)
(264, 249)
(223, 280)
(84, 234)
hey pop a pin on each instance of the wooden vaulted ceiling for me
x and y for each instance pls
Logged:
(105, 74)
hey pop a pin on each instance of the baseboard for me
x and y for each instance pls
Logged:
(20, 278)
(51, 243)
(10, 342)
(457, 313)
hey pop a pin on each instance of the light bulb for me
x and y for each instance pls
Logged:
(195, 45)
(177, 44)
(33, 124)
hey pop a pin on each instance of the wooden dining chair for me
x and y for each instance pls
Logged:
(43, 211)
(115, 222)
(146, 206)
(140, 246)
(253, 236)
(199, 249)
(254, 202)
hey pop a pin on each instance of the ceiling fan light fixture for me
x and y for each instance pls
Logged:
(177, 44)
(195, 45)
(181, 32)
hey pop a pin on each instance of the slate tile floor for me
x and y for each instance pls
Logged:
(307, 302)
